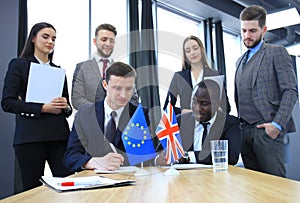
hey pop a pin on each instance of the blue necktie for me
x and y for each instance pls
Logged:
(245, 57)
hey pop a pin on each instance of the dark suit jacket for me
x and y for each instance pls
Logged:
(31, 124)
(181, 85)
(274, 86)
(87, 139)
(225, 127)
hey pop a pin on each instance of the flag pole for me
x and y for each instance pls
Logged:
(142, 172)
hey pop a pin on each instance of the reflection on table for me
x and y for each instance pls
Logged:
(195, 185)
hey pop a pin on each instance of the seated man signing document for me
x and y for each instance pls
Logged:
(219, 126)
(92, 144)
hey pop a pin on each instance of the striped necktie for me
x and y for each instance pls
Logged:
(104, 61)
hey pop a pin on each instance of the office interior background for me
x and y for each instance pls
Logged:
(173, 20)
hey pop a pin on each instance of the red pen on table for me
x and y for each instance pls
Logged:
(80, 183)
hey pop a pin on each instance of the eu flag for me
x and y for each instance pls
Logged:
(137, 139)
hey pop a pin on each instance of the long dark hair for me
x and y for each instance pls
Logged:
(185, 63)
(28, 49)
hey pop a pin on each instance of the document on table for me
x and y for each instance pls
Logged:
(83, 183)
(44, 83)
(123, 169)
(188, 166)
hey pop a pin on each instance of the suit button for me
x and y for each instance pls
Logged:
(22, 114)
(32, 115)
(27, 114)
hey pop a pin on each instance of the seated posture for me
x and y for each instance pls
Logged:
(91, 144)
(205, 123)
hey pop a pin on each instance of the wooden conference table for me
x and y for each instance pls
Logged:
(196, 185)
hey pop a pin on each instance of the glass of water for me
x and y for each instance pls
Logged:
(219, 154)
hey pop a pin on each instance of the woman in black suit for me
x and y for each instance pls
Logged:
(194, 68)
(41, 131)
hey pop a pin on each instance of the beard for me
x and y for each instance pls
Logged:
(106, 55)
(255, 42)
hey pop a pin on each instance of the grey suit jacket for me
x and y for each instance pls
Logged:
(87, 84)
(274, 86)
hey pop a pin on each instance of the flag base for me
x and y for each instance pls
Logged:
(172, 171)
(142, 172)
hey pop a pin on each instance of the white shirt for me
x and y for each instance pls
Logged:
(198, 133)
(100, 62)
(195, 81)
(107, 112)
(41, 62)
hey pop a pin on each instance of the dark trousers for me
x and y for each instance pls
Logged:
(32, 157)
(262, 153)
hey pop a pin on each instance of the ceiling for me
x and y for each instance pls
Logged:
(228, 12)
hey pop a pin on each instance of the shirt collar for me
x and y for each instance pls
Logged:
(108, 110)
(255, 49)
(98, 58)
(41, 62)
(211, 121)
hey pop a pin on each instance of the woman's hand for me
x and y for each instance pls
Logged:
(55, 106)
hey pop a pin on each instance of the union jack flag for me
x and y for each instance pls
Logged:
(168, 134)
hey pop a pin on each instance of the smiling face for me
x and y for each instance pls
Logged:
(105, 42)
(44, 42)
(192, 51)
(201, 105)
(206, 100)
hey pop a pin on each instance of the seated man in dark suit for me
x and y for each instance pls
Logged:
(219, 126)
(90, 144)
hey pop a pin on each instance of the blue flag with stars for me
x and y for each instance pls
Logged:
(137, 139)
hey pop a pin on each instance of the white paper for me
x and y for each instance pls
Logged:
(192, 156)
(55, 182)
(218, 79)
(44, 83)
(123, 169)
(188, 166)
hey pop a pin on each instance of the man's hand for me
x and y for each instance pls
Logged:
(110, 161)
(183, 111)
(270, 129)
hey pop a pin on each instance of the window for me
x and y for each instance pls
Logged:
(231, 55)
(74, 33)
(113, 12)
(170, 37)
(71, 24)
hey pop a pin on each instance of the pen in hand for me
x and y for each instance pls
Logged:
(114, 149)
